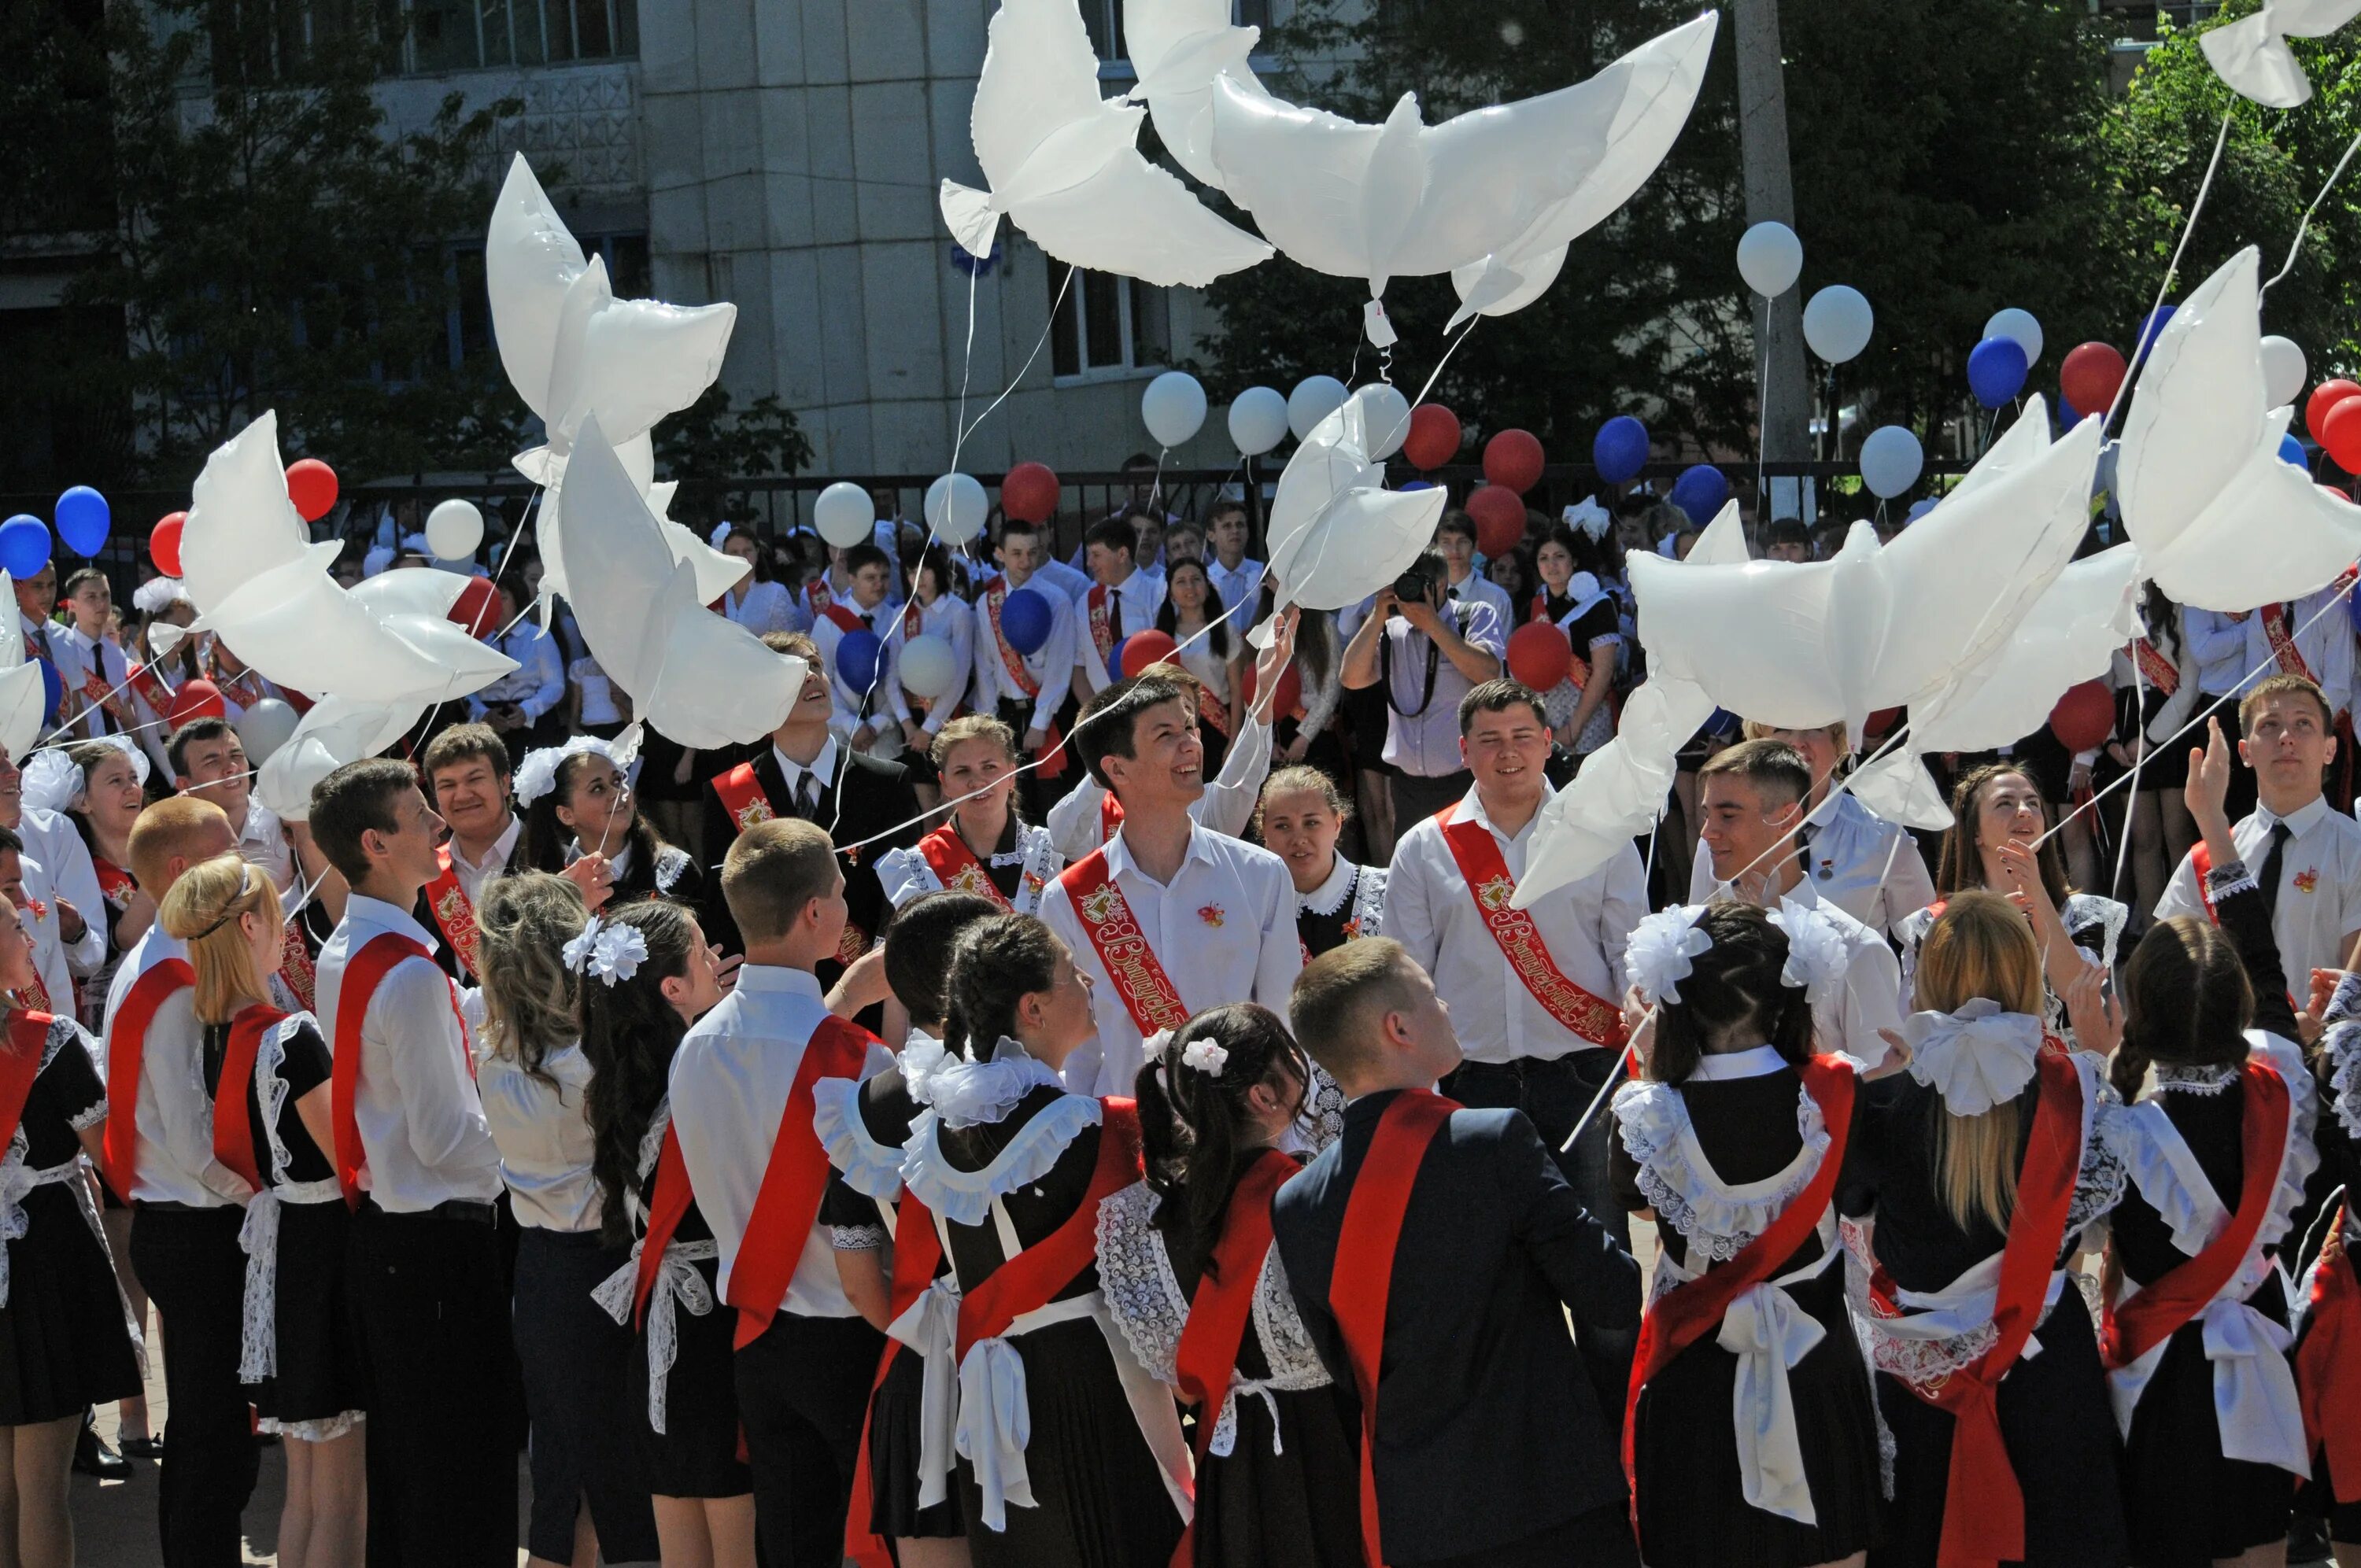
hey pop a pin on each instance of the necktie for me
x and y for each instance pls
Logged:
(1114, 612)
(807, 795)
(869, 621)
(2267, 879)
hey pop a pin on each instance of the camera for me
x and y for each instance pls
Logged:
(1416, 578)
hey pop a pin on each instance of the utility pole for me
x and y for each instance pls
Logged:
(1770, 196)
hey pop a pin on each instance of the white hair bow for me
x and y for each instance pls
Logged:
(610, 951)
(1662, 950)
(720, 531)
(537, 774)
(1816, 962)
(1977, 1058)
(1587, 517)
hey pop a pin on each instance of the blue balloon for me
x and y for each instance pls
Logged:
(1025, 619)
(856, 659)
(2150, 330)
(24, 546)
(1620, 450)
(2291, 451)
(82, 519)
(53, 692)
(1114, 656)
(1700, 492)
(1996, 370)
(1408, 485)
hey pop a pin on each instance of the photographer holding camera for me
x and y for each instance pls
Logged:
(1436, 650)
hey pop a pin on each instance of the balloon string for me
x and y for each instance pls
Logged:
(2296, 248)
(1018, 379)
(1727, 885)
(506, 555)
(2148, 330)
(2139, 758)
(2203, 713)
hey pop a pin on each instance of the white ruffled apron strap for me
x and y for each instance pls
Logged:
(678, 1281)
(2255, 1399)
(259, 1341)
(1225, 1429)
(930, 1328)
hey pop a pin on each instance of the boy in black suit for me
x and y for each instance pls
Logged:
(1442, 1245)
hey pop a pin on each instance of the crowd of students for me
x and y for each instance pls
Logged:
(1107, 1120)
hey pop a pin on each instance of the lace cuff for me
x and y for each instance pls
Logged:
(2099, 1184)
(869, 1168)
(84, 1121)
(858, 1238)
(2222, 881)
(965, 1197)
(903, 874)
(2343, 1050)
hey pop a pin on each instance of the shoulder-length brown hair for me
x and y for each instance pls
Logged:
(1961, 866)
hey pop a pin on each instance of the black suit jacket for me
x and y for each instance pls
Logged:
(868, 797)
(1487, 1429)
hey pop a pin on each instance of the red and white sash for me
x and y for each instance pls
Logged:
(742, 795)
(455, 913)
(844, 617)
(127, 1043)
(26, 1042)
(956, 867)
(1131, 965)
(295, 966)
(1053, 746)
(2162, 676)
(152, 689)
(2275, 618)
(233, 1128)
(1102, 636)
(1486, 873)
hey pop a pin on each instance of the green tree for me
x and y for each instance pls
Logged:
(709, 446)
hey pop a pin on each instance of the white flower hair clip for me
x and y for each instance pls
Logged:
(537, 774)
(720, 531)
(608, 951)
(158, 595)
(1206, 1055)
(1663, 949)
(1586, 516)
(1816, 960)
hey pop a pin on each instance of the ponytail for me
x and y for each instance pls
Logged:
(1193, 1119)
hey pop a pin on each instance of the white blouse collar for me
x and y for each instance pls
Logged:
(1329, 895)
(972, 1093)
(1755, 1061)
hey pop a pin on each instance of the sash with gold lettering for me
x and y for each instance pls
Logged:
(956, 867)
(2282, 641)
(295, 966)
(1490, 884)
(1130, 963)
(2162, 676)
(151, 689)
(1102, 629)
(1053, 747)
(454, 916)
(742, 795)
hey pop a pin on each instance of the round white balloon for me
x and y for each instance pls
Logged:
(1836, 322)
(1890, 461)
(2020, 328)
(265, 727)
(1385, 418)
(1313, 399)
(1258, 421)
(453, 529)
(1173, 408)
(844, 515)
(1769, 257)
(2284, 371)
(956, 508)
(928, 667)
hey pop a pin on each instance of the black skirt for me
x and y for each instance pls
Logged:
(2060, 1431)
(1099, 1496)
(1299, 1507)
(1692, 1502)
(63, 1343)
(2185, 1503)
(696, 1453)
(574, 1358)
(895, 1449)
(320, 1376)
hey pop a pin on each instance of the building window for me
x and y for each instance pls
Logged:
(1106, 325)
(467, 35)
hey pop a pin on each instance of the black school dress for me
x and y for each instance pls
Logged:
(303, 1340)
(864, 1127)
(1100, 1499)
(1761, 1139)
(1279, 1486)
(1349, 905)
(2054, 1415)
(65, 1334)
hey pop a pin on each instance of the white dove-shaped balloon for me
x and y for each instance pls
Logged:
(337, 732)
(2221, 523)
(701, 679)
(1178, 48)
(1337, 534)
(23, 695)
(2251, 56)
(1064, 165)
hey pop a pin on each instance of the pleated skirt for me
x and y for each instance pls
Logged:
(63, 1343)
(1291, 1503)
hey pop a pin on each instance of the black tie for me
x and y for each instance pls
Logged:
(2267, 879)
(1114, 612)
(807, 795)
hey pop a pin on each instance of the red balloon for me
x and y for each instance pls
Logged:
(311, 486)
(1539, 654)
(2084, 717)
(2340, 431)
(477, 607)
(1500, 514)
(1030, 492)
(2324, 397)
(1513, 458)
(164, 543)
(2091, 376)
(197, 699)
(1434, 436)
(1289, 702)
(1142, 649)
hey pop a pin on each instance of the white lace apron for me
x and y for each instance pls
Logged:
(678, 1282)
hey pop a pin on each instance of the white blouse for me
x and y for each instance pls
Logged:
(544, 1134)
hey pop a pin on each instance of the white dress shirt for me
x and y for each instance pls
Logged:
(1424, 743)
(1077, 825)
(1477, 588)
(78, 658)
(2219, 646)
(730, 1085)
(1241, 590)
(473, 874)
(1065, 580)
(1871, 999)
(1856, 860)
(52, 839)
(424, 1135)
(175, 1112)
(2318, 901)
(262, 844)
(767, 606)
(1431, 912)
(542, 1133)
(823, 770)
(2323, 633)
(538, 685)
(58, 962)
(1051, 666)
(950, 619)
(1223, 931)
(1141, 595)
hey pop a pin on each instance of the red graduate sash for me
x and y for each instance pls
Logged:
(34, 997)
(126, 1043)
(152, 689)
(918, 1254)
(1207, 1360)
(1053, 746)
(98, 693)
(1984, 1510)
(295, 965)
(363, 971)
(1686, 1314)
(793, 1179)
(1034, 1277)
(20, 1064)
(668, 1201)
(2274, 618)
(1110, 816)
(1489, 883)
(2160, 673)
(1148, 992)
(742, 795)
(233, 1128)
(455, 914)
(956, 867)
(844, 617)
(2328, 1362)
(1363, 1275)
(2129, 1329)
(1102, 628)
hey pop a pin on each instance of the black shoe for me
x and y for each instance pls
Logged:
(142, 1448)
(92, 1457)
(2307, 1539)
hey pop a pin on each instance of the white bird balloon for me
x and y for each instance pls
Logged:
(1064, 165)
(1336, 533)
(1179, 47)
(2251, 54)
(337, 732)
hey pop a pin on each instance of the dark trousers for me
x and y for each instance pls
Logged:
(1554, 1094)
(441, 1444)
(188, 1262)
(1416, 798)
(803, 1390)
